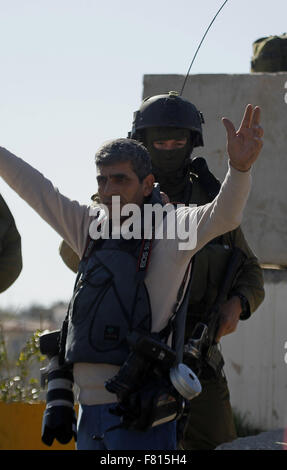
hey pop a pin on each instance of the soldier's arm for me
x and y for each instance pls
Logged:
(249, 282)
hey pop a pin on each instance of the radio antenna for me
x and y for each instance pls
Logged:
(201, 44)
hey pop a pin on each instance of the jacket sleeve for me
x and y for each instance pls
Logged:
(70, 258)
(69, 218)
(250, 281)
(10, 248)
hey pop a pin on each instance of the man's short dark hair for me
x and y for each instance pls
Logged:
(125, 150)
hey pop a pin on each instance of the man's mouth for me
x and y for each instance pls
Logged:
(112, 205)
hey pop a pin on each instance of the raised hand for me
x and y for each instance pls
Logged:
(244, 145)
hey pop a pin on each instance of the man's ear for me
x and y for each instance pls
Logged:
(147, 184)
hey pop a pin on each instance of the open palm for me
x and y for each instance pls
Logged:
(244, 145)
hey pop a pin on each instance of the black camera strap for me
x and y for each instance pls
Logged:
(177, 320)
(144, 255)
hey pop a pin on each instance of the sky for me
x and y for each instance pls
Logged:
(71, 78)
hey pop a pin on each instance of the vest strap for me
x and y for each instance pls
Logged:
(171, 325)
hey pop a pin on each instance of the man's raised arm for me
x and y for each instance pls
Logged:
(67, 217)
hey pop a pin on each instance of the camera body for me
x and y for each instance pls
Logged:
(200, 351)
(151, 387)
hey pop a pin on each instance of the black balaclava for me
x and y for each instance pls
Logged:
(170, 167)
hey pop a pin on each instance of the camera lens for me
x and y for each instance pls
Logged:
(59, 420)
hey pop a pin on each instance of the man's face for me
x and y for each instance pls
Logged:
(119, 179)
(170, 144)
(169, 148)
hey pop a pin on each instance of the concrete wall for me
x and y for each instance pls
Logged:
(256, 354)
(226, 95)
(256, 358)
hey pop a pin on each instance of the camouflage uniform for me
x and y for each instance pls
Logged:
(10, 248)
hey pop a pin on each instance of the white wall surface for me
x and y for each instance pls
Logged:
(256, 358)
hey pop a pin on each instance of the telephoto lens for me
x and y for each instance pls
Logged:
(59, 419)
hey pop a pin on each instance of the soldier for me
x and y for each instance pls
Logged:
(171, 127)
(10, 248)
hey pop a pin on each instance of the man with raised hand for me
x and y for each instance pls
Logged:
(111, 299)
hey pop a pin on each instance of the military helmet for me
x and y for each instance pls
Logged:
(168, 110)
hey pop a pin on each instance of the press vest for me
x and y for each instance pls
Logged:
(109, 301)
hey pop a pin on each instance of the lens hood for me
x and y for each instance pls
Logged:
(185, 381)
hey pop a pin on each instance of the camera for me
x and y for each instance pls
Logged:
(151, 387)
(59, 419)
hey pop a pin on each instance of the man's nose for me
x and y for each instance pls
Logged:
(169, 145)
(109, 189)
